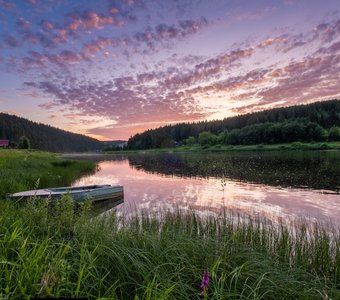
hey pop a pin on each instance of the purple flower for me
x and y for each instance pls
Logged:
(205, 280)
(204, 283)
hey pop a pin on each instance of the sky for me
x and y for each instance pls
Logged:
(110, 69)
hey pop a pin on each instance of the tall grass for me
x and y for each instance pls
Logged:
(59, 253)
(23, 169)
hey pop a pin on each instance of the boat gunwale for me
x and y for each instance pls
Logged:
(76, 191)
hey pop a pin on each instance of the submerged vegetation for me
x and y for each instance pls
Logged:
(62, 254)
(25, 170)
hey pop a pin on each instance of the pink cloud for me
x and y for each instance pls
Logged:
(208, 69)
(311, 79)
(273, 41)
(90, 20)
(11, 41)
(63, 59)
(61, 36)
(35, 59)
(47, 25)
(159, 101)
(327, 31)
(29, 37)
(114, 10)
(66, 57)
(324, 33)
(53, 34)
(164, 32)
(184, 28)
(115, 100)
(32, 2)
(96, 45)
(7, 4)
(22, 24)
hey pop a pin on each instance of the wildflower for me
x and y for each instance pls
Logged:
(204, 283)
(205, 280)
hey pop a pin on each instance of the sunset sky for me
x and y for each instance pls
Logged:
(110, 69)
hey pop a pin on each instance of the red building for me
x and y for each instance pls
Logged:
(4, 143)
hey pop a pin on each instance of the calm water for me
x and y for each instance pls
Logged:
(277, 185)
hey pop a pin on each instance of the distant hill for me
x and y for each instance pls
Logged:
(281, 123)
(45, 137)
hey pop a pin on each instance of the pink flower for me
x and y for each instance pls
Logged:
(205, 280)
(204, 283)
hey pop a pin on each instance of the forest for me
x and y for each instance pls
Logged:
(43, 137)
(318, 121)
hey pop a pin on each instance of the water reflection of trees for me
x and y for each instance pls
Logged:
(318, 170)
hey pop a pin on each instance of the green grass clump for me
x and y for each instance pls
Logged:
(48, 252)
(25, 169)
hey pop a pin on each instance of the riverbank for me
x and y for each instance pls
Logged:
(162, 257)
(265, 147)
(29, 169)
(229, 148)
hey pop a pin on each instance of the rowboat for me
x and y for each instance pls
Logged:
(95, 193)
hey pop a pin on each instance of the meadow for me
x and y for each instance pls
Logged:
(59, 252)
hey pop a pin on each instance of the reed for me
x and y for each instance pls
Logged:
(59, 253)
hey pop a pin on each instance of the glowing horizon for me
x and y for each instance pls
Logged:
(110, 69)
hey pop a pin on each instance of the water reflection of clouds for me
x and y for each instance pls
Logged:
(152, 192)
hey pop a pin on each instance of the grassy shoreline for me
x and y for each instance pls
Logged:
(29, 169)
(230, 148)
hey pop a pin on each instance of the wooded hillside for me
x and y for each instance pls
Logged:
(44, 137)
(313, 122)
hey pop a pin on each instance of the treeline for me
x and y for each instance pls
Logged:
(268, 133)
(44, 137)
(312, 122)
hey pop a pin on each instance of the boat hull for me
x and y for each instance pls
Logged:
(95, 193)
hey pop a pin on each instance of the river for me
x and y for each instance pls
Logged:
(276, 185)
